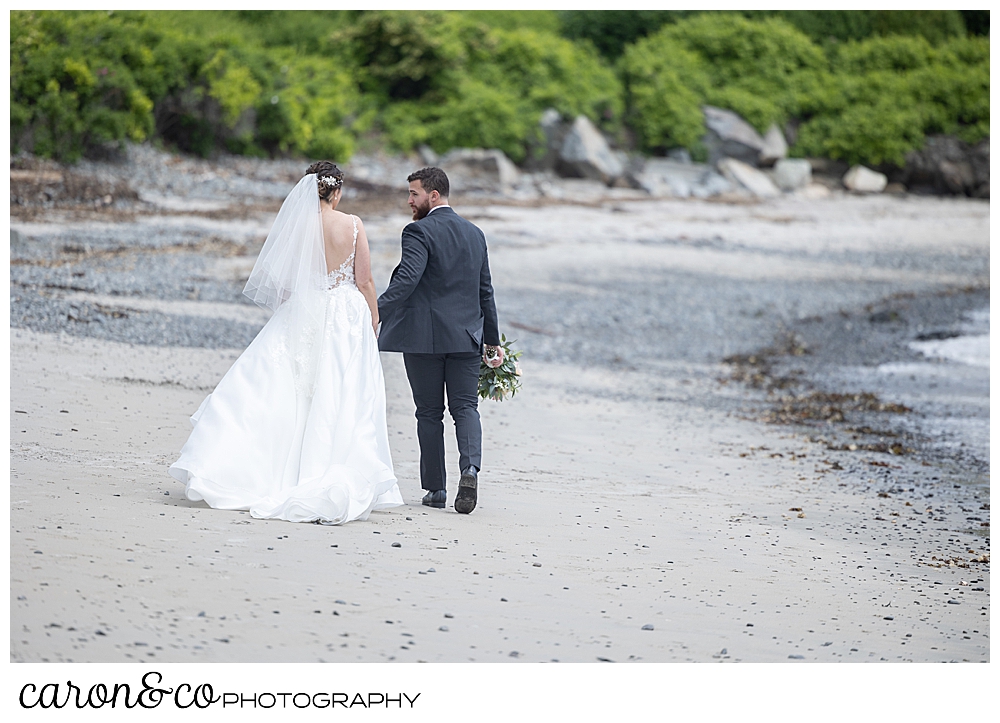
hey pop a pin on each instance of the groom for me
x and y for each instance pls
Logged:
(438, 310)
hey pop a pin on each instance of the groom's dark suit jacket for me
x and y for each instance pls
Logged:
(440, 297)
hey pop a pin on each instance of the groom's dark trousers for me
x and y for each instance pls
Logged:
(439, 311)
(430, 375)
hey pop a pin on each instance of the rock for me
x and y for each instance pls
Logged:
(828, 166)
(427, 155)
(895, 188)
(748, 177)
(585, 154)
(730, 136)
(477, 169)
(814, 191)
(665, 177)
(647, 627)
(864, 180)
(792, 173)
(956, 175)
(545, 156)
(775, 148)
(680, 155)
(18, 243)
(948, 165)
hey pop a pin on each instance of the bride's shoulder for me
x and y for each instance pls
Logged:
(345, 218)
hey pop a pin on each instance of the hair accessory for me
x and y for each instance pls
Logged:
(331, 181)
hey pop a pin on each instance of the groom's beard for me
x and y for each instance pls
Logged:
(420, 211)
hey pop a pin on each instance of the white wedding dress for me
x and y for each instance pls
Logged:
(296, 429)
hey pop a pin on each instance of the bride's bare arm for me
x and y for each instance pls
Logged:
(363, 273)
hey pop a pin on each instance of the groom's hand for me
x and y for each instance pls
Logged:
(493, 356)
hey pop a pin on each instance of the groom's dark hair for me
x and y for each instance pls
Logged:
(432, 179)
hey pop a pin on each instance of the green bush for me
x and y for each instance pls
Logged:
(76, 82)
(870, 101)
(864, 86)
(666, 85)
(446, 80)
(843, 25)
(898, 52)
(723, 60)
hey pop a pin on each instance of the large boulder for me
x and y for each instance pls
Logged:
(792, 173)
(749, 178)
(585, 154)
(477, 169)
(864, 180)
(728, 135)
(775, 148)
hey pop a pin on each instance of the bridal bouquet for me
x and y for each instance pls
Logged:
(500, 375)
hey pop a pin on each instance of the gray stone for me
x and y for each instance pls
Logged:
(948, 165)
(477, 169)
(544, 156)
(18, 243)
(680, 155)
(792, 173)
(585, 154)
(864, 180)
(730, 136)
(749, 178)
(814, 191)
(775, 148)
(427, 155)
(665, 177)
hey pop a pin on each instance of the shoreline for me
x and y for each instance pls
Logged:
(625, 312)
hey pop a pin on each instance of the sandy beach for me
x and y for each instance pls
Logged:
(633, 505)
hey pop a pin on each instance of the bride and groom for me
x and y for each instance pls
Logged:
(296, 429)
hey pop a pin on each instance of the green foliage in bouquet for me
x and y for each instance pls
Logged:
(499, 383)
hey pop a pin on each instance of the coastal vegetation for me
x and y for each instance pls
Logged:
(861, 86)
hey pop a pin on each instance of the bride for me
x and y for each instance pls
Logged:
(296, 429)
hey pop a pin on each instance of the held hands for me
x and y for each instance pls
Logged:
(493, 356)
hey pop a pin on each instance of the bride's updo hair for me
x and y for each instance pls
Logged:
(328, 177)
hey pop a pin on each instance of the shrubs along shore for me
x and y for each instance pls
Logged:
(327, 84)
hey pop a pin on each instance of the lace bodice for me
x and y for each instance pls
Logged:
(344, 274)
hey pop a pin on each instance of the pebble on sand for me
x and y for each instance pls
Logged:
(647, 627)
